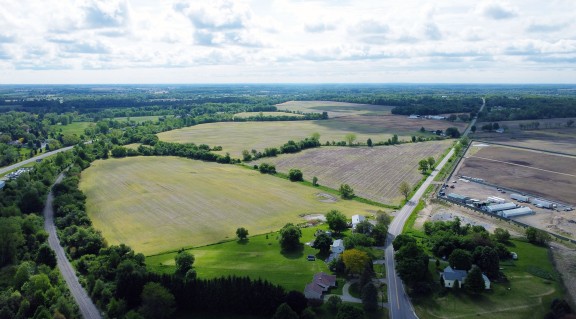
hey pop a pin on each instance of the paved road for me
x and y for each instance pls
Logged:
(33, 159)
(399, 302)
(87, 307)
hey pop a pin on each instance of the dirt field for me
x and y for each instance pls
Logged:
(334, 109)
(159, 204)
(549, 137)
(399, 124)
(542, 174)
(373, 173)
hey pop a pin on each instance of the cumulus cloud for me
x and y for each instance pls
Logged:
(106, 14)
(497, 10)
(432, 32)
(546, 27)
(319, 27)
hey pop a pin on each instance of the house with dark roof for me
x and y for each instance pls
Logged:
(320, 283)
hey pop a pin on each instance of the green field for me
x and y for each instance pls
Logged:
(237, 136)
(259, 257)
(74, 128)
(373, 172)
(137, 119)
(158, 204)
(334, 109)
(266, 114)
(524, 296)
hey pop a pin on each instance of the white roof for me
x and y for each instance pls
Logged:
(338, 243)
(357, 218)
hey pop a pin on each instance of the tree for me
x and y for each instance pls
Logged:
(364, 227)
(242, 233)
(246, 156)
(355, 260)
(290, 237)
(402, 240)
(367, 275)
(404, 189)
(10, 239)
(297, 301)
(501, 235)
(184, 261)
(336, 221)
(452, 132)
(333, 303)
(411, 263)
(308, 314)
(460, 259)
(379, 234)
(314, 181)
(369, 142)
(474, 281)
(423, 166)
(285, 312)
(350, 138)
(157, 301)
(347, 311)
(382, 218)
(346, 192)
(295, 175)
(537, 236)
(488, 260)
(46, 256)
(119, 151)
(370, 297)
(322, 242)
(431, 162)
(473, 129)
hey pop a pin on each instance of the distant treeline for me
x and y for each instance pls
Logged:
(505, 108)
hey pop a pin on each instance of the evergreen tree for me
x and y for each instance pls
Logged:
(474, 281)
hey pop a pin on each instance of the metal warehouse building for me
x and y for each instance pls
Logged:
(517, 212)
(542, 203)
(458, 198)
(492, 209)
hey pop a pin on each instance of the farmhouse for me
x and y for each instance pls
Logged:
(451, 276)
(337, 246)
(356, 219)
(321, 283)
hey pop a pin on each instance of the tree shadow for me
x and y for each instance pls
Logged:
(243, 241)
(295, 253)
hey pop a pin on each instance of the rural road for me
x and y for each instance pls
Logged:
(87, 307)
(6, 169)
(399, 303)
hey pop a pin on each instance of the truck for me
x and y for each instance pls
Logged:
(520, 198)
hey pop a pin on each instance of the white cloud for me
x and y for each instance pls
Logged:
(497, 10)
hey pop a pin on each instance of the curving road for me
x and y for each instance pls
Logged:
(7, 169)
(87, 307)
(399, 302)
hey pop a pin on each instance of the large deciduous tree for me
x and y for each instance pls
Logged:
(242, 233)
(460, 259)
(157, 301)
(290, 237)
(184, 261)
(336, 221)
(411, 263)
(346, 191)
(404, 189)
(355, 260)
(322, 242)
(474, 281)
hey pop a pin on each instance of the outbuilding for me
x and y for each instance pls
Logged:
(542, 203)
(520, 198)
(493, 209)
(517, 212)
(337, 246)
(458, 198)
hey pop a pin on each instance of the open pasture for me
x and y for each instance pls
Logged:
(266, 114)
(161, 204)
(74, 128)
(334, 109)
(544, 174)
(552, 135)
(373, 172)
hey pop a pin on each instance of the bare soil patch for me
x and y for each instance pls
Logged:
(326, 198)
(393, 123)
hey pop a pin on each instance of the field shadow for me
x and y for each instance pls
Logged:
(243, 241)
(293, 254)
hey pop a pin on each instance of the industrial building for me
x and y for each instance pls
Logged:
(542, 203)
(517, 212)
(497, 200)
(458, 198)
(520, 198)
(493, 209)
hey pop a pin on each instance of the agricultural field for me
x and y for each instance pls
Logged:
(552, 135)
(258, 257)
(373, 172)
(237, 136)
(162, 204)
(266, 114)
(74, 128)
(543, 174)
(334, 109)
(533, 284)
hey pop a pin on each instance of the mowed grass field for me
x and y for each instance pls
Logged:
(158, 204)
(74, 128)
(373, 172)
(258, 257)
(524, 296)
(544, 174)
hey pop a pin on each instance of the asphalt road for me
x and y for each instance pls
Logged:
(33, 159)
(399, 302)
(87, 307)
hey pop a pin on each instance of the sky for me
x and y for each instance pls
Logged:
(287, 41)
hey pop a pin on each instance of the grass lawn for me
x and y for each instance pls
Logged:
(159, 204)
(524, 296)
(259, 257)
(74, 128)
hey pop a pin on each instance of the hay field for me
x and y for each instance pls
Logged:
(157, 204)
(547, 175)
(334, 109)
(266, 114)
(373, 173)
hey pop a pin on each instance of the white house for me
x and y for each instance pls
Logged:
(450, 277)
(337, 246)
(356, 219)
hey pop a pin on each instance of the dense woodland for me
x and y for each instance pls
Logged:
(115, 276)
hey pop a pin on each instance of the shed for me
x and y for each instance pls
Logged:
(492, 209)
(517, 212)
(520, 198)
(356, 219)
(458, 198)
(337, 246)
